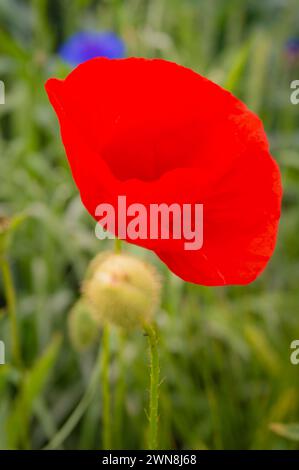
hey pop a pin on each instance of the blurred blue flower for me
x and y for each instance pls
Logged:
(292, 47)
(86, 45)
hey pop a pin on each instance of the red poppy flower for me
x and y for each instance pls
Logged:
(158, 132)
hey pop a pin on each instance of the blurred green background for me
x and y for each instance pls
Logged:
(225, 352)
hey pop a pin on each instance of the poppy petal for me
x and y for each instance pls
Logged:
(158, 132)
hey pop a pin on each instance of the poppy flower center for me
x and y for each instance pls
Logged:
(157, 152)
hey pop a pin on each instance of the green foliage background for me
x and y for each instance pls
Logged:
(226, 371)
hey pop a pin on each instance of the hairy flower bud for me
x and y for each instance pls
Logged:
(124, 290)
(83, 329)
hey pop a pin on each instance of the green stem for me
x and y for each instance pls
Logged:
(11, 308)
(119, 387)
(80, 409)
(117, 245)
(119, 392)
(154, 387)
(106, 389)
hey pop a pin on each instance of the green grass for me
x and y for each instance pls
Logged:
(224, 352)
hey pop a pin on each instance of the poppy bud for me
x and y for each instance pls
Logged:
(123, 290)
(83, 329)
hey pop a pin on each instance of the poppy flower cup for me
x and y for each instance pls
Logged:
(159, 133)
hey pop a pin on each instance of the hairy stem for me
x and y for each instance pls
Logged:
(119, 392)
(154, 387)
(106, 389)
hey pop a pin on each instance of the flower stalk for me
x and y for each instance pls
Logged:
(119, 391)
(124, 291)
(153, 412)
(106, 389)
(117, 245)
